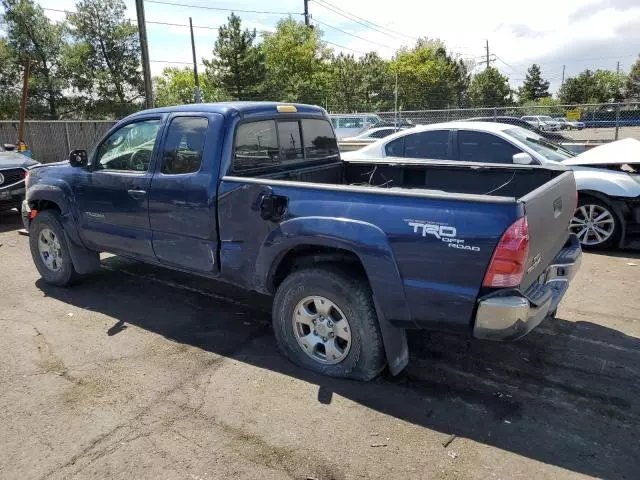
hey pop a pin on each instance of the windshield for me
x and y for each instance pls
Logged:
(549, 150)
(546, 118)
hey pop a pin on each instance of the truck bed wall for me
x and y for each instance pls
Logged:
(486, 180)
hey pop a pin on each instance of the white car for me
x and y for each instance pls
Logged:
(607, 177)
(372, 135)
(566, 124)
(543, 122)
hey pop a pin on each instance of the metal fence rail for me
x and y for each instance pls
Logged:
(51, 140)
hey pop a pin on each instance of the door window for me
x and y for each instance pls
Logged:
(184, 145)
(129, 148)
(484, 147)
(433, 144)
(395, 148)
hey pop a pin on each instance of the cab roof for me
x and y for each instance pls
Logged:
(232, 109)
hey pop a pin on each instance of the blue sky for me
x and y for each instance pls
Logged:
(577, 33)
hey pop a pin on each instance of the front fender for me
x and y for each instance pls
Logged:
(60, 194)
(607, 182)
(365, 240)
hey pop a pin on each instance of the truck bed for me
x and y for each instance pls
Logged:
(437, 177)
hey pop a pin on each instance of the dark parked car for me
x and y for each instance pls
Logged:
(13, 170)
(518, 122)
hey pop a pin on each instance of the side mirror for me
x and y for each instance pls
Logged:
(78, 158)
(522, 159)
(9, 147)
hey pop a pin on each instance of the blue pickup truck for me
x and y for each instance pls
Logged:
(355, 254)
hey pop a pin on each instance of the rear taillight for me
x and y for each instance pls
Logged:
(510, 257)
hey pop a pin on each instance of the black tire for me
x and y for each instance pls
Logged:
(352, 295)
(66, 274)
(613, 240)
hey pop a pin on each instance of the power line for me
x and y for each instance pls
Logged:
(188, 5)
(147, 21)
(361, 21)
(346, 48)
(353, 34)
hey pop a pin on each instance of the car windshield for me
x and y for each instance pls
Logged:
(546, 118)
(549, 150)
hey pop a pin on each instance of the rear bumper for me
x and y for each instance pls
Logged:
(514, 314)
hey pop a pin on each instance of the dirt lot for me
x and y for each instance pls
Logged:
(144, 373)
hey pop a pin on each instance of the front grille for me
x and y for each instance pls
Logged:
(11, 176)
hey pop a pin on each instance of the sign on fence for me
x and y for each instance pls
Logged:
(574, 115)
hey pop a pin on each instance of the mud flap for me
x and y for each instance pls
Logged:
(395, 343)
(84, 261)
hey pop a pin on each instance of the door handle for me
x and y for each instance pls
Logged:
(137, 194)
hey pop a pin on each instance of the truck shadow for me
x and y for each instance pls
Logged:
(566, 395)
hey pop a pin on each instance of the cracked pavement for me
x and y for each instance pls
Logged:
(140, 372)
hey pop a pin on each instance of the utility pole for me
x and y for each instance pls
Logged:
(306, 12)
(144, 48)
(487, 47)
(395, 116)
(563, 67)
(197, 97)
(22, 146)
(618, 67)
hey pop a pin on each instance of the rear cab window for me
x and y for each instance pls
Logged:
(269, 146)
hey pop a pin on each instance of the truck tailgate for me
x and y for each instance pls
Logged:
(549, 210)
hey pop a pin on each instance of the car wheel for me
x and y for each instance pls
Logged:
(325, 321)
(49, 249)
(596, 224)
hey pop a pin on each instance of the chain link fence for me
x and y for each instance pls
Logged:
(588, 123)
(51, 141)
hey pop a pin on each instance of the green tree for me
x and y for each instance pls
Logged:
(9, 82)
(632, 85)
(296, 62)
(104, 63)
(237, 65)
(31, 35)
(490, 88)
(593, 87)
(534, 86)
(377, 83)
(426, 76)
(347, 84)
(176, 86)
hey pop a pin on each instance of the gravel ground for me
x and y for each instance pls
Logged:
(140, 372)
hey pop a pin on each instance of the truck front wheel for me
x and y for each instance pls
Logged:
(49, 249)
(324, 320)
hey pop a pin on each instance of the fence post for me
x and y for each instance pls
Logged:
(66, 133)
(617, 120)
(495, 114)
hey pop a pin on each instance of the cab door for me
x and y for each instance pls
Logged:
(183, 194)
(112, 194)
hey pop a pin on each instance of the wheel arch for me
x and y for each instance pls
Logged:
(358, 247)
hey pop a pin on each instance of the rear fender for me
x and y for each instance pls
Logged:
(369, 243)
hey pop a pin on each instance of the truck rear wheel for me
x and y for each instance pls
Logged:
(49, 249)
(324, 320)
